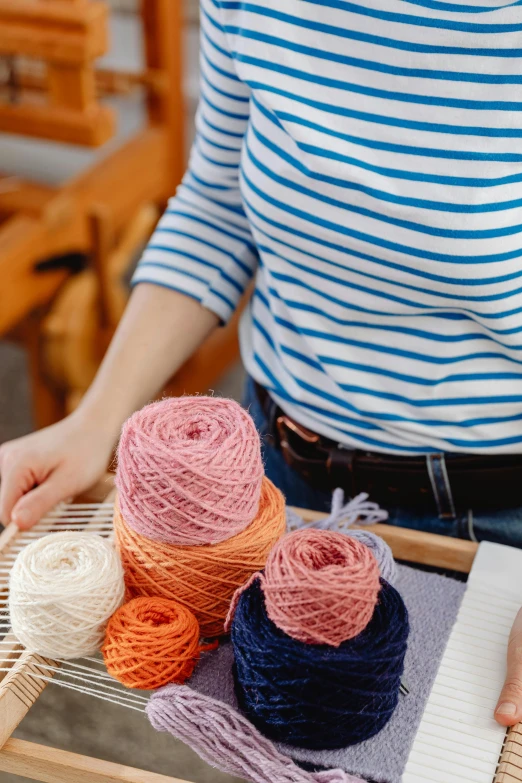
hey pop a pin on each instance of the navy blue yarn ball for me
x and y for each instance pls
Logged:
(314, 695)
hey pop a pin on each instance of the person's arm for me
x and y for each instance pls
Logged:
(159, 331)
(203, 244)
(192, 275)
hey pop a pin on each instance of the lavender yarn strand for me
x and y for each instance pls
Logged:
(212, 728)
(343, 515)
(381, 551)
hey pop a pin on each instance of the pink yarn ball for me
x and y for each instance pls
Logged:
(189, 470)
(320, 587)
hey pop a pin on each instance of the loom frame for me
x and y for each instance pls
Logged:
(19, 690)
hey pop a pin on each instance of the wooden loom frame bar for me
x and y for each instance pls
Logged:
(57, 766)
(510, 767)
(52, 765)
(19, 690)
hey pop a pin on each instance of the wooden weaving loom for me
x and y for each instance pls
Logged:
(24, 675)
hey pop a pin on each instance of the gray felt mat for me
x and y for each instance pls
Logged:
(433, 602)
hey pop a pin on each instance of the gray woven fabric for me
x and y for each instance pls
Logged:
(433, 602)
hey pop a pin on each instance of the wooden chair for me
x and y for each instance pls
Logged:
(101, 217)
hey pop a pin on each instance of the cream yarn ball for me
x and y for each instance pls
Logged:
(63, 589)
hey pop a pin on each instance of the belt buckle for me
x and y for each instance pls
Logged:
(284, 423)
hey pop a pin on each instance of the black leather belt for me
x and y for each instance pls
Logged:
(475, 481)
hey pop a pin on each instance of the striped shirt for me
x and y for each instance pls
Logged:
(363, 161)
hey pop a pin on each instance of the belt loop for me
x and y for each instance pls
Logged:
(437, 471)
(340, 464)
(271, 412)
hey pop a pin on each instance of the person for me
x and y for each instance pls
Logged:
(362, 160)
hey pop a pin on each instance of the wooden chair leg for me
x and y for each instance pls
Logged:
(48, 401)
(163, 38)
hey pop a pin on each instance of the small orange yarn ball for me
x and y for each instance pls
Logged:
(150, 642)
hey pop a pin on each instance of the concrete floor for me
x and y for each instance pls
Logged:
(62, 718)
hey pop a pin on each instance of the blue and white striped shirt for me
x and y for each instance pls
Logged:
(364, 161)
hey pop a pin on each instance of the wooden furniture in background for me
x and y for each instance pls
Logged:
(68, 35)
(101, 218)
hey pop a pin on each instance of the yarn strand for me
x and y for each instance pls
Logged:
(342, 516)
(212, 728)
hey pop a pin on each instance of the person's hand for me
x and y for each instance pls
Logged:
(509, 706)
(48, 466)
(151, 343)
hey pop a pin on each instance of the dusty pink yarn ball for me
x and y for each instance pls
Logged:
(320, 587)
(189, 470)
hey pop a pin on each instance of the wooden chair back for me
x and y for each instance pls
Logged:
(65, 37)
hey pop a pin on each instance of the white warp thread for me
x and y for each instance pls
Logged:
(62, 590)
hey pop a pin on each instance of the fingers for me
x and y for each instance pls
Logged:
(509, 706)
(33, 505)
(16, 479)
(28, 490)
(44, 468)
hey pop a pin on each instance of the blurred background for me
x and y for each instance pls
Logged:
(97, 103)
(96, 148)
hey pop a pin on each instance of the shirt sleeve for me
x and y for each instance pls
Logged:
(202, 245)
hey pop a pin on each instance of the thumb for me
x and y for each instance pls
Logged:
(36, 503)
(509, 707)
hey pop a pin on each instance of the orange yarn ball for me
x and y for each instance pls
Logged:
(203, 578)
(150, 642)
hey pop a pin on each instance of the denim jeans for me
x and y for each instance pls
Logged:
(503, 527)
